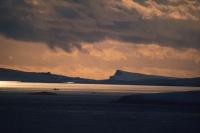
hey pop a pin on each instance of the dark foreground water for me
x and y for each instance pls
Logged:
(92, 113)
(31, 110)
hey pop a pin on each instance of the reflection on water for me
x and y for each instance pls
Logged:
(22, 86)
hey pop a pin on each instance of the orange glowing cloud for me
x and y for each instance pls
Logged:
(174, 9)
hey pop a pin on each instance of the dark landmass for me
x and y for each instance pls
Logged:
(144, 79)
(190, 98)
(15, 75)
(44, 93)
(56, 89)
(120, 77)
(99, 113)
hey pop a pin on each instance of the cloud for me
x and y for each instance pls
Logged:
(69, 23)
(175, 9)
(105, 53)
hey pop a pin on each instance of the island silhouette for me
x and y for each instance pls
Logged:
(119, 77)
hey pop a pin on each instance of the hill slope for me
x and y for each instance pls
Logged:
(144, 79)
(120, 77)
(15, 75)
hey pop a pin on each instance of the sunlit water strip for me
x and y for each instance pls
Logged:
(66, 87)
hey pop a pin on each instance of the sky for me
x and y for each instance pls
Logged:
(94, 38)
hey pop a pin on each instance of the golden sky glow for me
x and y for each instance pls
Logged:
(100, 60)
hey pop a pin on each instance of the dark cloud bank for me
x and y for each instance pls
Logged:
(67, 23)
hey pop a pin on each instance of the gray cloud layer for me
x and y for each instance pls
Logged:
(67, 23)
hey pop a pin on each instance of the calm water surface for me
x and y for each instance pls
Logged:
(66, 87)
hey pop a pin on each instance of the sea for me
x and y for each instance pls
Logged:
(85, 88)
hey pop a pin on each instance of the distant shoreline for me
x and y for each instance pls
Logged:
(119, 78)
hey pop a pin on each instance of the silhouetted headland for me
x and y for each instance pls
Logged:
(120, 77)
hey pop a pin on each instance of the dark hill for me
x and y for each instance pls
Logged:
(15, 75)
(120, 77)
(145, 79)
